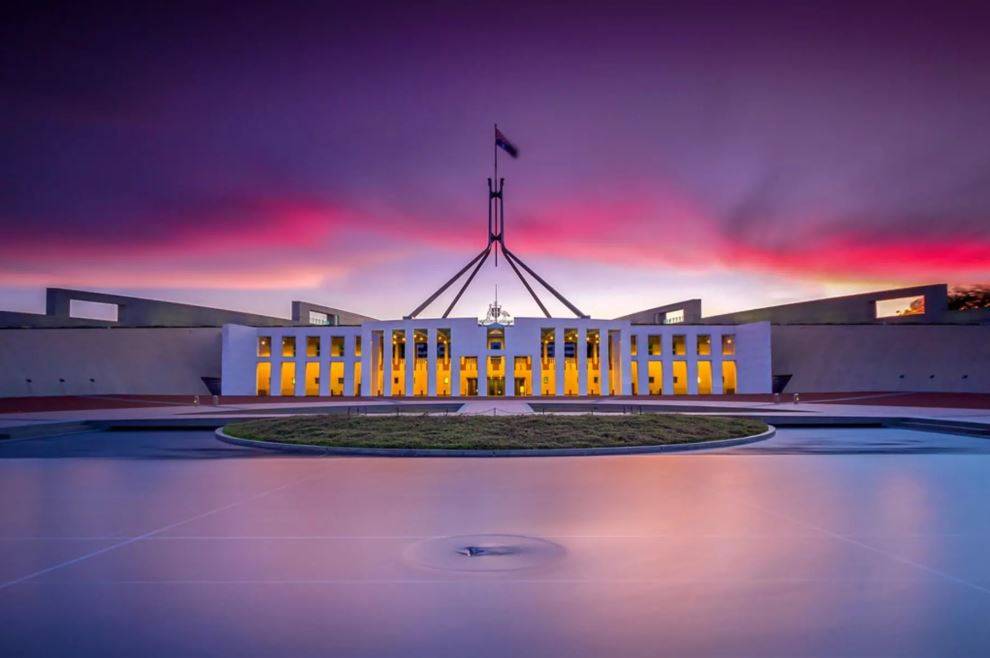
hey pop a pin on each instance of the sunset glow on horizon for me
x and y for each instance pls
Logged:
(245, 158)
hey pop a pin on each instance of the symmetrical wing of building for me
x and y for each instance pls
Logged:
(896, 340)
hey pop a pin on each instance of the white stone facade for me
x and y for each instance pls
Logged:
(611, 368)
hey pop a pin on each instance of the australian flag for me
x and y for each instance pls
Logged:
(505, 145)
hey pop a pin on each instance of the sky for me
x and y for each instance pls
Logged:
(244, 155)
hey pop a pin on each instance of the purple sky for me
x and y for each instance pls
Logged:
(338, 153)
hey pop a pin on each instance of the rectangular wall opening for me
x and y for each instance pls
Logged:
(288, 378)
(729, 377)
(421, 362)
(679, 369)
(87, 310)
(522, 374)
(571, 386)
(469, 376)
(656, 377)
(443, 362)
(312, 378)
(264, 379)
(398, 369)
(593, 339)
(496, 376)
(312, 346)
(378, 363)
(704, 377)
(900, 307)
(614, 365)
(548, 362)
(264, 346)
(337, 378)
(357, 378)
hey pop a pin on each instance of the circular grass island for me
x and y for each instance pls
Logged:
(424, 435)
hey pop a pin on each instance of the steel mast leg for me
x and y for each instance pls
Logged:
(574, 309)
(508, 259)
(460, 292)
(419, 309)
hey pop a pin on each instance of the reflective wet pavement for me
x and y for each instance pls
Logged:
(816, 543)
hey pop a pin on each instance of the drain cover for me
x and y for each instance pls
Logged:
(483, 553)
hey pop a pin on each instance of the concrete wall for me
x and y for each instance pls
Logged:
(140, 312)
(655, 315)
(824, 358)
(851, 309)
(107, 361)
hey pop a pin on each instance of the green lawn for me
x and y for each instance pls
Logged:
(494, 432)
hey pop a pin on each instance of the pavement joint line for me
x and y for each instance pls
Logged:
(879, 551)
(150, 533)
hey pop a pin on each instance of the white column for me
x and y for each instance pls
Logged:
(350, 346)
(692, 374)
(276, 367)
(642, 371)
(482, 373)
(455, 368)
(431, 361)
(410, 372)
(667, 349)
(324, 361)
(625, 362)
(604, 378)
(582, 361)
(536, 385)
(300, 387)
(367, 358)
(387, 363)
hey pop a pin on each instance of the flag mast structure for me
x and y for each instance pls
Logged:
(496, 240)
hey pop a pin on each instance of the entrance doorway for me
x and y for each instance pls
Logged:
(496, 386)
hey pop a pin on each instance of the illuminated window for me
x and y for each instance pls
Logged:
(728, 344)
(264, 346)
(336, 346)
(900, 307)
(264, 379)
(680, 345)
(288, 378)
(633, 347)
(674, 317)
(357, 346)
(496, 339)
(704, 344)
(288, 345)
(312, 346)
(729, 377)
(653, 343)
(312, 384)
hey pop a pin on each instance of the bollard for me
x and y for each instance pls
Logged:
(797, 398)
(195, 400)
(776, 398)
